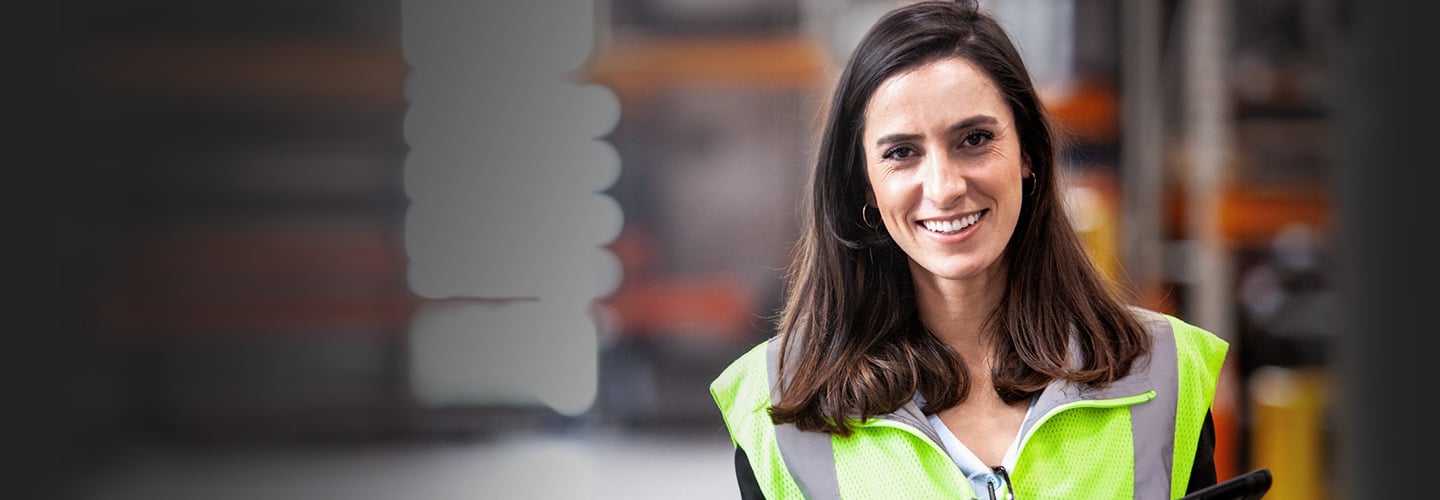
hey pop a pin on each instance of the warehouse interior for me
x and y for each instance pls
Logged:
(411, 249)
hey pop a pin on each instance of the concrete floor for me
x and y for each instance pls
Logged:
(573, 467)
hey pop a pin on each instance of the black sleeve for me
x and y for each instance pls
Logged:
(1202, 474)
(749, 487)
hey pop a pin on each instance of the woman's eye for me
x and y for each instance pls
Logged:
(899, 153)
(977, 138)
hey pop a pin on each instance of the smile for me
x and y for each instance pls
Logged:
(955, 225)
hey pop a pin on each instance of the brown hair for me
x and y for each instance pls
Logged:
(852, 344)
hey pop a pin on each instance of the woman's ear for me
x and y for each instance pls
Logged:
(1026, 172)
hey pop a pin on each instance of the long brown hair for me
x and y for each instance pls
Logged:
(853, 345)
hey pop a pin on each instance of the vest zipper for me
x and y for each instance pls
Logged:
(1084, 403)
(955, 468)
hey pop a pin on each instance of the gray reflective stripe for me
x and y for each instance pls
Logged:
(809, 456)
(1152, 424)
(911, 415)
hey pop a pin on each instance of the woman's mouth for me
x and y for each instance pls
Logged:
(953, 226)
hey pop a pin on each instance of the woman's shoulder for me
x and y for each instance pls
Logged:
(1193, 345)
(1164, 323)
(747, 374)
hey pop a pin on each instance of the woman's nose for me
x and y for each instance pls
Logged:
(943, 181)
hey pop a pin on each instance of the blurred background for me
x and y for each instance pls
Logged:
(384, 249)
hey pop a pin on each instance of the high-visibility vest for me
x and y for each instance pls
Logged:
(1134, 439)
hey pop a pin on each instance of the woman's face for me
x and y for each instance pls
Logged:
(943, 157)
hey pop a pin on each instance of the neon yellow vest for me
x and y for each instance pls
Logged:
(1134, 439)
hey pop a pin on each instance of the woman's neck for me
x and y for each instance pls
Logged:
(956, 312)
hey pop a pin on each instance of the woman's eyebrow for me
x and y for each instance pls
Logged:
(973, 121)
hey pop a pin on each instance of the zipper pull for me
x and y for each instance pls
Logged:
(999, 470)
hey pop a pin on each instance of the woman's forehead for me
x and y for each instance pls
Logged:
(934, 93)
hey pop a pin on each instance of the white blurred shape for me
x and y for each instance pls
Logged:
(505, 176)
(507, 252)
(609, 272)
(490, 117)
(521, 353)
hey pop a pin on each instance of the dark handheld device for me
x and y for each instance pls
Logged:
(1248, 486)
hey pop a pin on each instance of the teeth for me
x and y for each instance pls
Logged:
(951, 226)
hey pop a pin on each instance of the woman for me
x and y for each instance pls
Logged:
(944, 334)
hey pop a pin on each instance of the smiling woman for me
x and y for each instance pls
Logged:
(944, 332)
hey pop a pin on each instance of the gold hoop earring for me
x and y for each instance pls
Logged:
(865, 216)
(1034, 183)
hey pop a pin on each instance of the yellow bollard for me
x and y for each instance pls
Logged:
(1287, 430)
